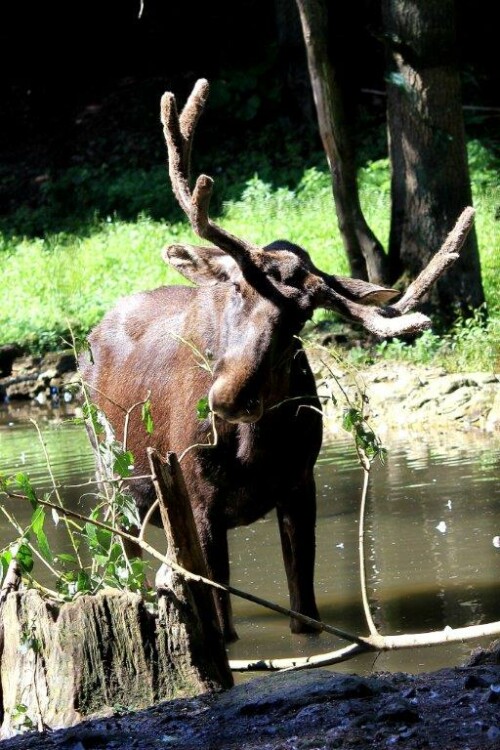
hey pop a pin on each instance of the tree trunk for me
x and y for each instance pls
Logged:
(365, 254)
(430, 178)
(63, 663)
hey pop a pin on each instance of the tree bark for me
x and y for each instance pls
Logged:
(84, 658)
(201, 628)
(365, 254)
(430, 178)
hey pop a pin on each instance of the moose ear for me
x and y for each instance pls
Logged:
(364, 292)
(202, 265)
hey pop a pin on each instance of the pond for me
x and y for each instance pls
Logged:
(432, 538)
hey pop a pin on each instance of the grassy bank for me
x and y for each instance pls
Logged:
(68, 280)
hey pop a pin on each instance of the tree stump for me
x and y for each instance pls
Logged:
(63, 662)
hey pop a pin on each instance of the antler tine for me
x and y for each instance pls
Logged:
(191, 114)
(439, 263)
(176, 151)
(178, 132)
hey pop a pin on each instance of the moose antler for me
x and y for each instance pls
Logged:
(179, 133)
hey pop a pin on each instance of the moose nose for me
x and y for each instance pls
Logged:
(226, 405)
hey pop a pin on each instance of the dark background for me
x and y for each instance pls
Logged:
(81, 81)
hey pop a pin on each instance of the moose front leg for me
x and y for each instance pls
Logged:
(297, 521)
(213, 538)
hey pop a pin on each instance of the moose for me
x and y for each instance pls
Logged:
(233, 338)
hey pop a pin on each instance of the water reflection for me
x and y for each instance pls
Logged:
(432, 560)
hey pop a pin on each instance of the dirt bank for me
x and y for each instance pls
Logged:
(400, 398)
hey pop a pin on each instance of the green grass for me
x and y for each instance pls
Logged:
(67, 280)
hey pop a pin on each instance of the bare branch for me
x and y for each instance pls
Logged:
(372, 643)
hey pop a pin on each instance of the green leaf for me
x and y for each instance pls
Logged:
(24, 557)
(128, 510)
(202, 408)
(147, 417)
(5, 559)
(83, 582)
(351, 418)
(65, 557)
(37, 523)
(25, 484)
(124, 463)
(99, 540)
(92, 414)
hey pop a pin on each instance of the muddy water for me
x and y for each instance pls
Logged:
(432, 538)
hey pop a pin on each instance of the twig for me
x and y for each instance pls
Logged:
(361, 536)
(53, 481)
(12, 520)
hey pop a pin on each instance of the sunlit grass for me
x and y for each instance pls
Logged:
(64, 281)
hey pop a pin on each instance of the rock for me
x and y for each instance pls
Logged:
(403, 399)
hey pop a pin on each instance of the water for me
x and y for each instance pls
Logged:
(432, 539)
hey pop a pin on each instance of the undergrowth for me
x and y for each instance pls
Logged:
(67, 280)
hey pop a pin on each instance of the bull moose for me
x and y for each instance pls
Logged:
(233, 337)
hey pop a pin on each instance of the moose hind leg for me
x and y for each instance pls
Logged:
(297, 522)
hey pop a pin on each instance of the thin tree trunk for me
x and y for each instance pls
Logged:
(430, 178)
(365, 254)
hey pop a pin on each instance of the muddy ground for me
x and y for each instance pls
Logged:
(452, 709)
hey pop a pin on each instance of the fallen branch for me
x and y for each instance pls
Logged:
(377, 643)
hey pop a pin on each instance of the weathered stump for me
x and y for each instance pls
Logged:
(62, 662)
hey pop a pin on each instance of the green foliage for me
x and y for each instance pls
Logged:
(147, 417)
(471, 345)
(106, 562)
(203, 408)
(67, 280)
(365, 439)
